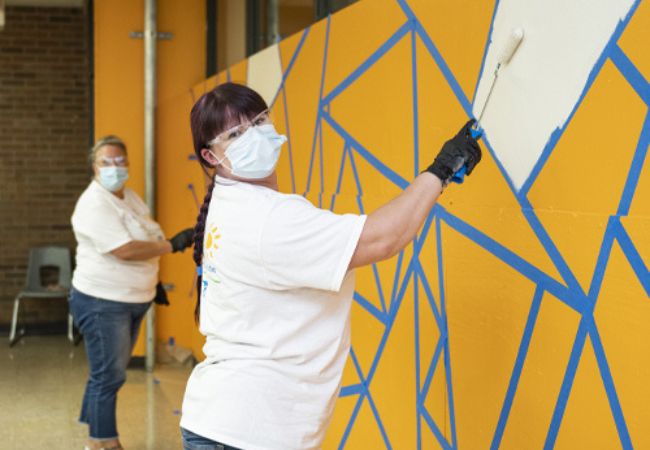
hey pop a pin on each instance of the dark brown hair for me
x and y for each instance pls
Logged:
(214, 112)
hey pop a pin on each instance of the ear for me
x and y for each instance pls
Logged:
(207, 156)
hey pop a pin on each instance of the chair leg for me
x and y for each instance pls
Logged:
(14, 323)
(70, 329)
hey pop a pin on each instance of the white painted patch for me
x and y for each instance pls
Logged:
(265, 72)
(537, 90)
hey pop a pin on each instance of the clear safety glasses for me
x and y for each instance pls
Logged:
(107, 161)
(228, 136)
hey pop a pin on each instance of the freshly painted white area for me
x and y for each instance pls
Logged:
(265, 72)
(537, 90)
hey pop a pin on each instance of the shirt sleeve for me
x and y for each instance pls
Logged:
(303, 246)
(101, 223)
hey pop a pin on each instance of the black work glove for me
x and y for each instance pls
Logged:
(460, 150)
(161, 295)
(182, 240)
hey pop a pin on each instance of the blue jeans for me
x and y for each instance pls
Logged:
(192, 441)
(110, 330)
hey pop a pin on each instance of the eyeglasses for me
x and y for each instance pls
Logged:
(105, 161)
(226, 137)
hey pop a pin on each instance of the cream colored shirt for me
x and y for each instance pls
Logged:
(103, 222)
(275, 310)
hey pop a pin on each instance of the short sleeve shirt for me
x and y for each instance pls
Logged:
(101, 223)
(275, 310)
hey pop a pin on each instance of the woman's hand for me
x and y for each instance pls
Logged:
(461, 150)
(393, 226)
(180, 241)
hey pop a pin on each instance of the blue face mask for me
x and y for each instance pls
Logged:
(113, 178)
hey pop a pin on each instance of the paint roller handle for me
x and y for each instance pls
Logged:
(459, 175)
(458, 156)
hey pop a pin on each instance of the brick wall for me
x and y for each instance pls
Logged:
(44, 132)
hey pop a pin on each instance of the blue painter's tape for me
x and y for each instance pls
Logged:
(289, 148)
(631, 73)
(447, 358)
(375, 413)
(430, 297)
(550, 247)
(634, 258)
(285, 75)
(372, 309)
(366, 393)
(567, 383)
(199, 270)
(353, 417)
(398, 270)
(444, 68)
(512, 259)
(357, 180)
(488, 42)
(432, 368)
(363, 391)
(416, 329)
(557, 134)
(519, 365)
(318, 125)
(416, 122)
(608, 382)
(436, 431)
(369, 62)
(354, 389)
(634, 174)
(602, 261)
(380, 289)
(368, 156)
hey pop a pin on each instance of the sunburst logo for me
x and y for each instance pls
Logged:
(212, 242)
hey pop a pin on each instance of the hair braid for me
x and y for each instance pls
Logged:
(199, 232)
(214, 112)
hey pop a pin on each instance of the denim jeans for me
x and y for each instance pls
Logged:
(192, 441)
(110, 330)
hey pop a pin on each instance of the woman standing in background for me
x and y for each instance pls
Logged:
(114, 282)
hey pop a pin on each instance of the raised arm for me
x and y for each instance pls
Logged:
(391, 227)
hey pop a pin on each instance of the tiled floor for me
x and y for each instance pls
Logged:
(41, 385)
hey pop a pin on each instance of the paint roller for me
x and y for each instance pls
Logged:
(505, 55)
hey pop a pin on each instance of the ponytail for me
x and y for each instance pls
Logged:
(199, 232)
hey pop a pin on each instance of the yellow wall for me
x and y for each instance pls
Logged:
(119, 91)
(481, 333)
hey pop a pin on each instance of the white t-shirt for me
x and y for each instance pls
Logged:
(275, 309)
(103, 222)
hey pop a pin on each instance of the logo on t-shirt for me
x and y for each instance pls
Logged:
(210, 247)
(211, 242)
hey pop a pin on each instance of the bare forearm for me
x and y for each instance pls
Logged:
(401, 218)
(390, 228)
(142, 250)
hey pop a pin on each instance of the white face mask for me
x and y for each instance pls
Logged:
(113, 178)
(255, 153)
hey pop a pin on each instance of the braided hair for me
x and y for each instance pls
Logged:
(214, 112)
